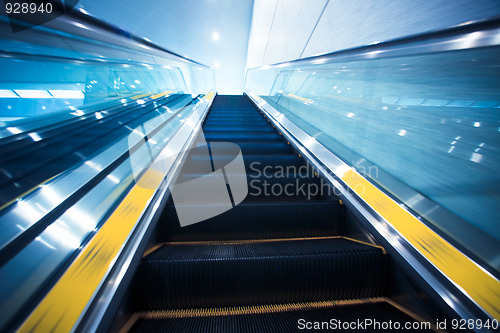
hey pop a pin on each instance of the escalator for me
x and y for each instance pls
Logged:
(55, 164)
(277, 262)
(32, 160)
(93, 148)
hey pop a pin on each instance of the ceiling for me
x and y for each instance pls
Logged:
(213, 32)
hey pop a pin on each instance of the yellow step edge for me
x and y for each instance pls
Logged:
(254, 309)
(266, 240)
(249, 241)
(365, 243)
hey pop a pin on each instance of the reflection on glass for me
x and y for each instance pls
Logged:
(430, 121)
(42, 86)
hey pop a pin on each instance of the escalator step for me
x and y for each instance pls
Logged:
(245, 112)
(236, 121)
(233, 111)
(238, 128)
(260, 220)
(235, 117)
(251, 148)
(257, 119)
(277, 186)
(253, 161)
(237, 137)
(329, 318)
(256, 273)
(275, 247)
(247, 118)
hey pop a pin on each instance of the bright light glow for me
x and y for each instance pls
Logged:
(140, 101)
(93, 166)
(476, 157)
(216, 64)
(13, 130)
(132, 86)
(402, 132)
(470, 40)
(33, 93)
(50, 194)
(215, 35)
(350, 115)
(373, 54)
(57, 234)
(341, 170)
(137, 81)
(98, 115)
(309, 142)
(477, 124)
(77, 94)
(113, 179)
(8, 94)
(44, 242)
(77, 113)
(35, 137)
(123, 101)
(319, 61)
(28, 213)
(83, 26)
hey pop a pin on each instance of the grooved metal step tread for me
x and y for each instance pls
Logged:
(254, 161)
(243, 137)
(237, 128)
(281, 318)
(251, 148)
(213, 275)
(260, 220)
